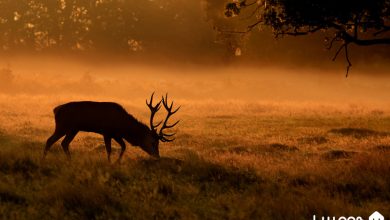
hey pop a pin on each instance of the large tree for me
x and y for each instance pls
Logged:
(360, 22)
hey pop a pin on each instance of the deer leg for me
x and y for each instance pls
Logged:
(107, 142)
(65, 143)
(123, 147)
(51, 140)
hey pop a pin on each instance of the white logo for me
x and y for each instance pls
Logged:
(376, 216)
(339, 218)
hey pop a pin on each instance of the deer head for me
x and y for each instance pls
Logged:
(151, 142)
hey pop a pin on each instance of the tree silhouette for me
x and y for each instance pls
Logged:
(360, 22)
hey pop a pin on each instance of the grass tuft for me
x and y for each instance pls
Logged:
(283, 147)
(8, 196)
(313, 140)
(338, 154)
(382, 148)
(357, 132)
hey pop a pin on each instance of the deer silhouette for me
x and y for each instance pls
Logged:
(113, 122)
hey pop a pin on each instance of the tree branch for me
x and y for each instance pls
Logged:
(347, 58)
(345, 47)
(338, 51)
(243, 3)
(253, 13)
(363, 42)
(300, 33)
(335, 38)
(250, 27)
(385, 29)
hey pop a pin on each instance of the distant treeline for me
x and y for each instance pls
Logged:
(121, 25)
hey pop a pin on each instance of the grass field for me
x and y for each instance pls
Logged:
(234, 158)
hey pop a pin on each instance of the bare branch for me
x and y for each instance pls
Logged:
(338, 51)
(335, 38)
(243, 3)
(234, 32)
(300, 33)
(362, 42)
(385, 29)
(250, 27)
(253, 13)
(345, 47)
(347, 58)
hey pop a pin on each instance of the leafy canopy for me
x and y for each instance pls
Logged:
(361, 22)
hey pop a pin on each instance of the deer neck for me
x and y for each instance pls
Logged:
(137, 133)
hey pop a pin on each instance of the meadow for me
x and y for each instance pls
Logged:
(249, 146)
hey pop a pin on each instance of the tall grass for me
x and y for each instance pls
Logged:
(236, 156)
(262, 165)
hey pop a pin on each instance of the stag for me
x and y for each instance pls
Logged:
(113, 122)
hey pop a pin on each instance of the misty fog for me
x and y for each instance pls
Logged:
(68, 79)
(114, 50)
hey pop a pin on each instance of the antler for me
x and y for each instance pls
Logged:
(153, 110)
(163, 137)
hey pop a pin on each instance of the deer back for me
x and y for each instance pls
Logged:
(106, 118)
